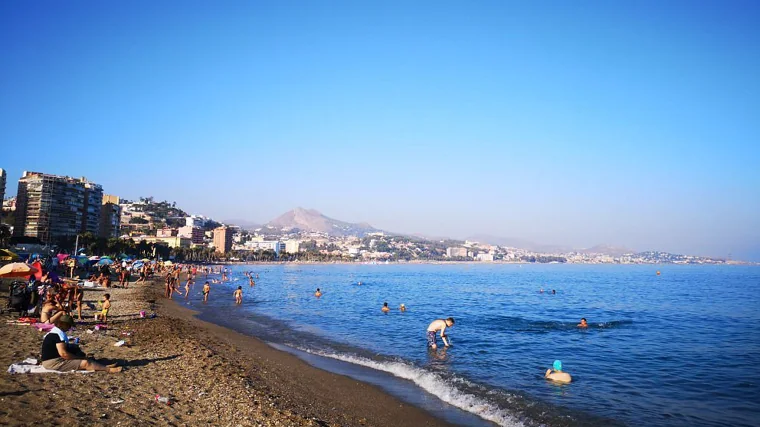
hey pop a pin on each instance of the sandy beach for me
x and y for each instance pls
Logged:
(212, 375)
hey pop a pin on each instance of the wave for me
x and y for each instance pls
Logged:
(434, 384)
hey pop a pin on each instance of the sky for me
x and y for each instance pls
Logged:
(569, 123)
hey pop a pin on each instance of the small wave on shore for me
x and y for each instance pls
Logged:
(434, 384)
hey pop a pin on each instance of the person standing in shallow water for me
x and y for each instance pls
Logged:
(206, 290)
(435, 326)
(239, 295)
(318, 293)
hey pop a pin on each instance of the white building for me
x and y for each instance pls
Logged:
(271, 245)
(487, 257)
(456, 252)
(292, 246)
(196, 221)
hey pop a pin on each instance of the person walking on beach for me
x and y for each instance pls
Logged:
(206, 290)
(239, 295)
(436, 326)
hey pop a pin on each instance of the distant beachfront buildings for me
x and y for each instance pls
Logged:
(49, 207)
(110, 216)
(456, 252)
(223, 239)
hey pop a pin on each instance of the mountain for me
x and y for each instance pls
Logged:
(312, 220)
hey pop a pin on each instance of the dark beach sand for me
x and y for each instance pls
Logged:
(215, 376)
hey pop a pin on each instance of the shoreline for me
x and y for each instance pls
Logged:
(212, 374)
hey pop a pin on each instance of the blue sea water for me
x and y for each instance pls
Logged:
(678, 349)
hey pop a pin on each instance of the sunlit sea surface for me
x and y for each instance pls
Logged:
(677, 349)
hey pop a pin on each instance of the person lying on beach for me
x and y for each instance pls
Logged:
(206, 290)
(318, 293)
(557, 375)
(239, 295)
(58, 355)
(438, 325)
(583, 323)
(385, 308)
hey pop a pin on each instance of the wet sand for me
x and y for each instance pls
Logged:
(213, 376)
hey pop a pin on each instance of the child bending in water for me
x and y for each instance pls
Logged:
(435, 326)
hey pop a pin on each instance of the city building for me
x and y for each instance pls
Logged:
(195, 234)
(487, 257)
(292, 246)
(9, 204)
(456, 252)
(271, 245)
(110, 216)
(196, 221)
(93, 203)
(223, 239)
(167, 232)
(49, 207)
(2, 184)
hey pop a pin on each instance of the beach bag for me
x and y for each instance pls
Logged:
(18, 299)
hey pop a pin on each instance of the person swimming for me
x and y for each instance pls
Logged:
(402, 307)
(557, 375)
(583, 323)
(385, 308)
(318, 293)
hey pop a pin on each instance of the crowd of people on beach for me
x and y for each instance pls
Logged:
(61, 298)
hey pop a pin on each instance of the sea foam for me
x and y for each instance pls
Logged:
(433, 384)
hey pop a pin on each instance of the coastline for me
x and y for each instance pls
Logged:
(212, 374)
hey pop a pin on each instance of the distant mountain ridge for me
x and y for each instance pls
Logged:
(313, 220)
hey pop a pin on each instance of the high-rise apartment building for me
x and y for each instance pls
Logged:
(93, 204)
(49, 206)
(223, 239)
(2, 185)
(110, 216)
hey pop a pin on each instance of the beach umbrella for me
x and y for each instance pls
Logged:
(105, 261)
(94, 258)
(6, 255)
(169, 263)
(106, 257)
(62, 257)
(17, 269)
(82, 259)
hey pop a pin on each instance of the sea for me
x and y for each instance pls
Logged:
(667, 345)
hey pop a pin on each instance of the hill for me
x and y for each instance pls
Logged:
(313, 220)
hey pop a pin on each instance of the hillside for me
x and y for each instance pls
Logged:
(312, 220)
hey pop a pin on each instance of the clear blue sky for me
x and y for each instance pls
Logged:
(577, 123)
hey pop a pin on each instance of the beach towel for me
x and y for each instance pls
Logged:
(30, 366)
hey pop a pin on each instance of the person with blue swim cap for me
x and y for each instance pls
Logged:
(557, 375)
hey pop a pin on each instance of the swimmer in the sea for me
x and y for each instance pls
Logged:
(385, 308)
(318, 293)
(435, 326)
(557, 375)
(402, 307)
(554, 292)
(583, 323)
